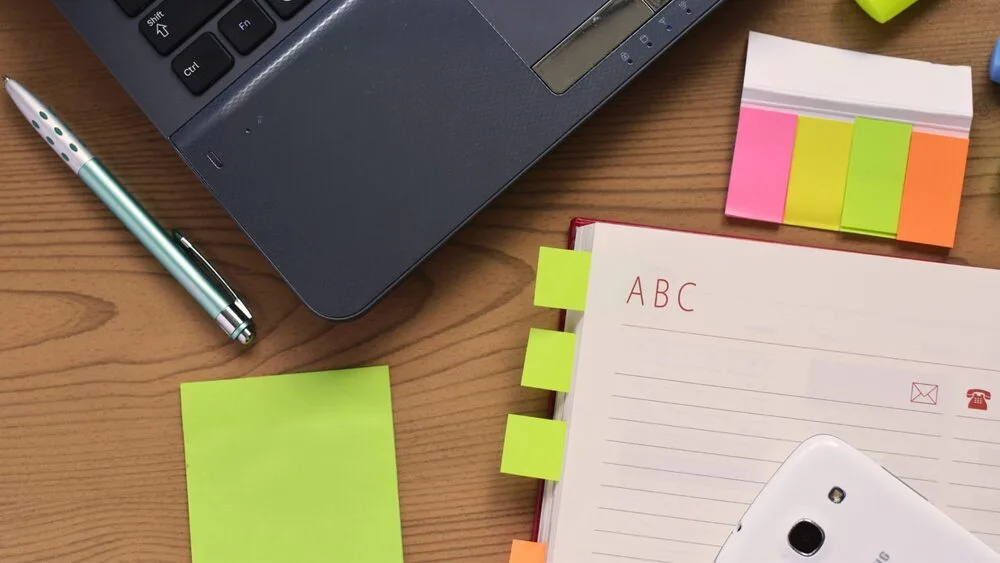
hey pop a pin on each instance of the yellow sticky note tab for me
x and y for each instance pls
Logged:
(548, 361)
(819, 173)
(533, 447)
(527, 552)
(563, 276)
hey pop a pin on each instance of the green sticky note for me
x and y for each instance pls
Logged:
(562, 278)
(292, 468)
(879, 152)
(533, 447)
(818, 177)
(548, 361)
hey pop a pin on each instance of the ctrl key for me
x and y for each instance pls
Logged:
(202, 63)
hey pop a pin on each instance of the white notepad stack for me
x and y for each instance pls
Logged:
(808, 79)
(700, 362)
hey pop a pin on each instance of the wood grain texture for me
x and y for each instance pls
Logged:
(95, 338)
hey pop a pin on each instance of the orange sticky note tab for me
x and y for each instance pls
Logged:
(933, 189)
(527, 552)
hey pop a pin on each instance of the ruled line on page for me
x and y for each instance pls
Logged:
(904, 478)
(775, 393)
(744, 435)
(977, 441)
(727, 433)
(629, 558)
(679, 495)
(692, 474)
(900, 454)
(974, 509)
(688, 542)
(778, 416)
(979, 463)
(715, 454)
(971, 486)
(667, 516)
(798, 347)
(978, 418)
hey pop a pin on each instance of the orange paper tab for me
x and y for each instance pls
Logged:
(933, 189)
(527, 552)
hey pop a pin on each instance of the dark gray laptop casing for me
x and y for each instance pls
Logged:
(372, 130)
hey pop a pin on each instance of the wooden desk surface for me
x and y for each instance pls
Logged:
(95, 338)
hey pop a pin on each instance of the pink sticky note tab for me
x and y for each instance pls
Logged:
(758, 182)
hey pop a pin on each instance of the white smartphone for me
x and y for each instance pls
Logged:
(830, 503)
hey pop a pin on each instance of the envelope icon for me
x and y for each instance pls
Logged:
(924, 393)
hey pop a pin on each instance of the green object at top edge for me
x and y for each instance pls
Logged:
(884, 10)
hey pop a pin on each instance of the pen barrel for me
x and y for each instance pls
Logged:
(157, 241)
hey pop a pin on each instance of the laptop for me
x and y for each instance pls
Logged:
(351, 138)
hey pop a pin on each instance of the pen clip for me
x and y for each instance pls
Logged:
(207, 266)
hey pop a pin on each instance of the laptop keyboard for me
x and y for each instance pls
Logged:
(168, 24)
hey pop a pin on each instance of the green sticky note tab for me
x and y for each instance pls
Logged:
(879, 152)
(562, 278)
(292, 468)
(548, 361)
(819, 173)
(533, 447)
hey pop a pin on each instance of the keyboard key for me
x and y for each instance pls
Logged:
(246, 26)
(287, 8)
(171, 22)
(202, 63)
(133, 7)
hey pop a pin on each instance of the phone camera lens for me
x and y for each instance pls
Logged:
(806, 538)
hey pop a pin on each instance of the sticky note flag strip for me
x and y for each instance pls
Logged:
(527, 552)
(933, 189)
(879, 153)
(819, 173)
(562, 279)
(533, 447)
(758, 181)
(548, 361)
(292, 468)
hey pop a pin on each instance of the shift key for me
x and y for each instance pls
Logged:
(173, 21)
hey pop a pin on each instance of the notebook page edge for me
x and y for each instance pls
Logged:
(548, 515)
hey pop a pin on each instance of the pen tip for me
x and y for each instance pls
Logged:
(246, 337)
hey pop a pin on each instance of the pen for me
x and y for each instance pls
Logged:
(176, 253)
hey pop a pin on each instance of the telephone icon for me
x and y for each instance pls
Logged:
(978, 399)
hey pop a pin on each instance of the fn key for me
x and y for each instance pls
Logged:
(202, 64)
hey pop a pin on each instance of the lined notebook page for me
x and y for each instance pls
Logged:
(690, 391)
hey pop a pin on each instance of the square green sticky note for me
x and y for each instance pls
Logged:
(533, 447)
(875, 177)
(818, 176)
(548, 361)
(292, 468)
(562, 279)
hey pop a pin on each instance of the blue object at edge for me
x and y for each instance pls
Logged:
(995, 64)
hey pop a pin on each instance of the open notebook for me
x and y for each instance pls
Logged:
(698, 363)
